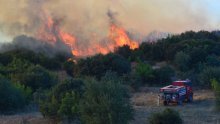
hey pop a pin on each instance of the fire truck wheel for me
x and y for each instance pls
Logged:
(180, 102)
(190, 98)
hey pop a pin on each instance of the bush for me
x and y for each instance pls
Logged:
(105, 102)
(182, 61)
(26, 91)
(164, 75)
(69, 107)
(168, 116)
(35, 77)
(145, 72)
(208, 74)
(216, 87)
(124, 51)
(98, 65)
(12, 98)
(133, 81)
(63, 101)
(68, 66)
(99, 102)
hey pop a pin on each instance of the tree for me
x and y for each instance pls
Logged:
(69, 107)
(182, 61)
(38, 77)
(144, 51)
(29, 75)
(208, 74)
(105, 102)
(68, 66)
(164, 74)
(216, 87)
(62, 102)
(213, 60)
(168, 116)
(145, 72)
(99, 64)
(12, 98)
(52, 62)
(124, 51)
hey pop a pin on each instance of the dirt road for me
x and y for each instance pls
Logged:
(201, 111)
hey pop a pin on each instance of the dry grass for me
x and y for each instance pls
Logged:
(144, 99)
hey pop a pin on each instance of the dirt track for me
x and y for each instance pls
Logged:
(201, 111)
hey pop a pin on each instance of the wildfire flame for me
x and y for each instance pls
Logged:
(117, 37)
(120, 37)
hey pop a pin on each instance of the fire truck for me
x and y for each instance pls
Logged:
(179, 92)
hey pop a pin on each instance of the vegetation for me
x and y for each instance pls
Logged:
(62, 102)
(101, 102)
(106, 102)
(216, 87)
(168, 116)
(145, 72)
(12, 97)
(59, 83)
(98, 65)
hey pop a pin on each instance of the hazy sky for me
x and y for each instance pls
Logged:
(85, 17)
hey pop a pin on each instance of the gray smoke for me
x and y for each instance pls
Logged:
(88, 18)
(30, 43)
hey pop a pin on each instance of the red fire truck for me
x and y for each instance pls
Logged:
(178, 92)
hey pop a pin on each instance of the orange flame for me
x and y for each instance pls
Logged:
(46, 31)
(120, 37)
(117, 38)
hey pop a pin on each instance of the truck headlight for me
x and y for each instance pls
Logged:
(174, 97)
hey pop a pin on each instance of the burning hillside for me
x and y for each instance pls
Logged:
(52, 33)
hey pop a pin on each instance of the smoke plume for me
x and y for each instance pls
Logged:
(89, 20)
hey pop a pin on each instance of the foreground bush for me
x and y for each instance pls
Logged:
(96, 102)
(63, 101)
(11, 97)
(168, 116)
(106, 102)
(216, 87)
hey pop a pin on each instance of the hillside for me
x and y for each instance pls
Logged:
(64, 88)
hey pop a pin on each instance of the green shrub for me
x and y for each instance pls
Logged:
(164, 75)
(69, 66)
(26, 91)
(168, 116)
(11, 97)
(62, 102)
(133, 81)
(145, 72)
(182, 61)
(208, 74)
(69, 107)
(105, 102)
(33, 76)
(216, 87)
(98, 65)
